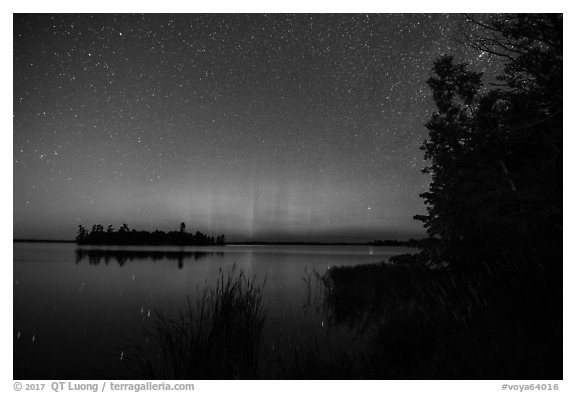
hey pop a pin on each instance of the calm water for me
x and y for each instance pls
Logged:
(75, 309)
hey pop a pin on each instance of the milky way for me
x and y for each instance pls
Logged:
(263, 127)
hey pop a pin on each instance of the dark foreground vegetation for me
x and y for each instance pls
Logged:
(498, 322)
(418, 323)
(495, 151)
(218, 337)
(483, 298)
(126, 236)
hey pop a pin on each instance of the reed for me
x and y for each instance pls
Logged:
(217, 337)
(501, 321)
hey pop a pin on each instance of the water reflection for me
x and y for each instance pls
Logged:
(82, 316)
(96, 256)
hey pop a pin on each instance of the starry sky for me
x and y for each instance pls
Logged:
(262, 127)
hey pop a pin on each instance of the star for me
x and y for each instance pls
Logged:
(277, 123)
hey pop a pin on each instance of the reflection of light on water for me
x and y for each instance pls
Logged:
(283, 291)
(33, 337)
(121, 355)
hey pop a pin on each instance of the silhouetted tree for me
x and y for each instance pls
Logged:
(496, 156)
(455, 92)
(81, 235)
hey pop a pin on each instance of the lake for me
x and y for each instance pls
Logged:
(77, 308)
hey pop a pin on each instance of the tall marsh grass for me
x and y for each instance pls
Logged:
(502, 321)
(217, 337)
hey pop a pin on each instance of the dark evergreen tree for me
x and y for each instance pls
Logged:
(82, 233)
(455, 92)
(496, 157)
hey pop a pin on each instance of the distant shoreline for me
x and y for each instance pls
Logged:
(41, 241)
(392, 244)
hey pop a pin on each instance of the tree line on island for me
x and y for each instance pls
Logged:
(396, 243)
(126, 236)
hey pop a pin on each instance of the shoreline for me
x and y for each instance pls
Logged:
(256, 243)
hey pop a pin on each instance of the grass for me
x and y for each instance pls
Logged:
(503, 321)
(217, 338)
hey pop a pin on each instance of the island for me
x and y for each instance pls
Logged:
(126, 236)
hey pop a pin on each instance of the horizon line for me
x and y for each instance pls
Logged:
(251, 242)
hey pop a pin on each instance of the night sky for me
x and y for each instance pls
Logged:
(261, 127)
